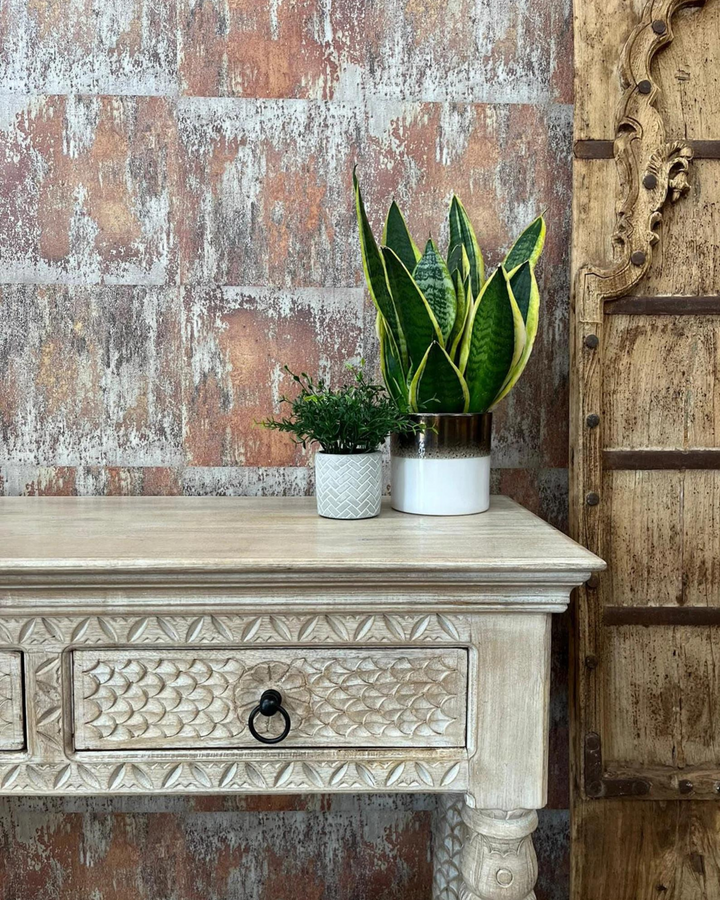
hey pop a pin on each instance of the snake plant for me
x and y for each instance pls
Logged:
(451, 340)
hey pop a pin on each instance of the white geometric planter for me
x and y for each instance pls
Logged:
(348, 486)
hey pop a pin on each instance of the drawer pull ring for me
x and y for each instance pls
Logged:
(270, 703)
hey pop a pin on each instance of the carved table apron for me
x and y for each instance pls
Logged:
(408, 654)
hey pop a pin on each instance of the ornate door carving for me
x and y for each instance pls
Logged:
(645, 454)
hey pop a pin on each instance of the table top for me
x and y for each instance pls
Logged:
(275, 536)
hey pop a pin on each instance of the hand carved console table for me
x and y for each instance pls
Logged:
(139, 636)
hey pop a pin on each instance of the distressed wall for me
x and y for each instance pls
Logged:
(176, 225)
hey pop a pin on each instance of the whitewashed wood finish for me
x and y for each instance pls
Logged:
(11, 713)
(349, 698)
(264, 591)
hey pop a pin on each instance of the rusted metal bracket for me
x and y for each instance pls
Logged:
(597, 783)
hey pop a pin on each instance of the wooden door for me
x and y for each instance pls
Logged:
(645, 453)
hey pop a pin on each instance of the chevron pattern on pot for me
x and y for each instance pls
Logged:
(348, 486)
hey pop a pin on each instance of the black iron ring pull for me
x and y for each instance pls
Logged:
(270, 703)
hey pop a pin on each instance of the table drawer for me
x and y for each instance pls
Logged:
(12, 724)
(129, 699)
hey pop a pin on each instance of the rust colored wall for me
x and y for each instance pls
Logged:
(176, 224)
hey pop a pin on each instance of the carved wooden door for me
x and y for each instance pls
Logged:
(645, 455)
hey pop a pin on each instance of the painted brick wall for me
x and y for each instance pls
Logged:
(176, 223)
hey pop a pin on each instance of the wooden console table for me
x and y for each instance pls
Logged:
(138, 635)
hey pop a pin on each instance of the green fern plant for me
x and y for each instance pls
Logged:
(451, 341)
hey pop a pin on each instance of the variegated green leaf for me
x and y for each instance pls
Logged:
(374, 269)
(432, 277)
(391, 367)
(525, 290)
(417, 319)
(463, 307)
(461, 233)
(527, 247)
(438, 386)
(397, 236)
(493, 341)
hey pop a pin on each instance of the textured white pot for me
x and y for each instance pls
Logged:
(348, 486)
(445, 470)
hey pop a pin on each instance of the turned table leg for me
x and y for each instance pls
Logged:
(498, 859)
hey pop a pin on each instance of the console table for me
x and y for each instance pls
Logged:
(141, 637)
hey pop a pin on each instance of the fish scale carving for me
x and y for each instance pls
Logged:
(400, 697)
(358, 698)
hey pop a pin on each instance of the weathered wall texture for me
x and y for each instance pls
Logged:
(177, 224)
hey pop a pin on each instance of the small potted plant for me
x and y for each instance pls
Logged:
(452, 345)
(349, 425)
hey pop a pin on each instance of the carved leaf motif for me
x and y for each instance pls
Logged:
(5, 634)
(167, 628)
(394, 627)
(47, 667)
(284, 775)
(80, 630)
(200, 775)
(312, 776)
(142, 778)
(107, 629)
(137, 629)
(338, 774)
(448, 626)
(116, 777)
(194, 629)
(424, 774)
(251, 629)
(88, 776)
(419, 628)
(338, 627)
(172, 776)
(27, 630)
(221, 628)
(396, 773)
(365, 774)
(52, 628)
(307, 628)
(364, 627)
(62, 777)
(10, 776)
(228, 776)
(254, 776)
(451, 775)
(280, 628)
(50, 715)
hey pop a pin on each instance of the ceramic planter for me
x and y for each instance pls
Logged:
(348, 486)
(445, 470)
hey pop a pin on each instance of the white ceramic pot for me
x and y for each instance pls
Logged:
(445, 470)
(348, 486)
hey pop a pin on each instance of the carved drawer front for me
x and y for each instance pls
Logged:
(12, 724)
(128, 699)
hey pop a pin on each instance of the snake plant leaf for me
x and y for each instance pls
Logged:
(438, 386)
(493, 342)
(527, 247)
(463, 307)
(418, 322)
(461, 233)
(433, 278)
(525, 290)
(398, 238)
(375, 274)
(391, 366)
